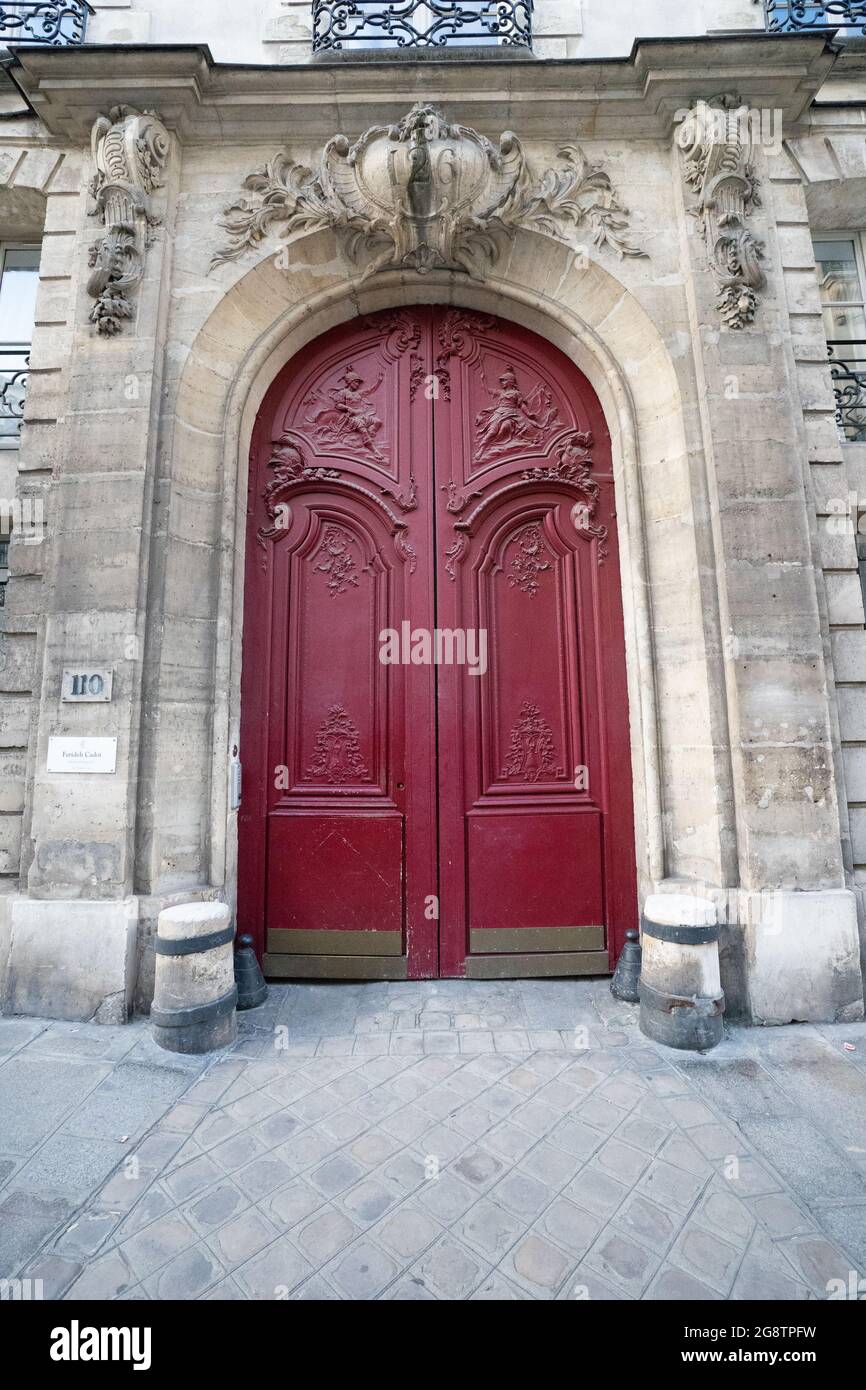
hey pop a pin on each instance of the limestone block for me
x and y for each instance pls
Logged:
(857, 828)
(71, 960)
(14, 721)
(63, 212)
(59, 252)
(844, 598)
(10, 844)
(838, 551)
(854, 762)
(849, 655)
(804, 959)
(13, 770)
(852, 713)
(17, 654)
(37, 168)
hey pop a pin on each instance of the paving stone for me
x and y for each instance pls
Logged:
(705, 1255)
(522, 1194)
(187, 1276)
(549, 1164)
(622, 1161)
(819, 1263)
(601, 1114)
(509, 1140)
(156, 1244)
(479, 1167)
(274, 1272)
(193, 1178)
(763, 1278)
(87, 1233)
(53, 1272)
(304, 1150)
(105, 1277)
(363, 1272)
(234, 1153)
(537, 1265)
(642, 1134)
(226, 1291)
(368, 1201)
(722, 1211)
(242, 1237)
(488, 1229)
(779, 1216)
(407, 1232)
(595, 1191)
(449, 1270)
(672, 1285)
(622, 1261)
(649, 1223)
(335, 1175)
(404, 1173)
(447, 1197)
(679, 1150)
(409, 1289)
(324, 1234)
(569, 1226)
(669, 1186)
(495, 1288)
(218, 1205)
(154, 1203)
(748, 1177)
(584, 1285)
(373, 1148)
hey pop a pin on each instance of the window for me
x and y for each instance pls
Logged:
(19, 278)
(840, 261)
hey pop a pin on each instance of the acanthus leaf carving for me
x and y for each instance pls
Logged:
(424, 194)
(130, 151)
(717, 143)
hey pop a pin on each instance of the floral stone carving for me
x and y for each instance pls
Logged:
(130, 151)
(717, 143)
(427, 193)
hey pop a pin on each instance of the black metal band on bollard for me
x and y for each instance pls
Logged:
(192, 945)
(680, 936)
(201, 1013)
(709, 1006)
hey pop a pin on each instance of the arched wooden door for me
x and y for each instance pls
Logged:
(434, 721)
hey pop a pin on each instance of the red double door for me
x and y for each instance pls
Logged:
(434, 738)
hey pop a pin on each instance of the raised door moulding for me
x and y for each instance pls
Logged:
(426, 194)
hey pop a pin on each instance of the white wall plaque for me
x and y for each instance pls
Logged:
(86, 684)
(82, 754)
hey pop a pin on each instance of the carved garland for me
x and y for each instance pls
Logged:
(130, 151)
(716, 140)
(426, 193)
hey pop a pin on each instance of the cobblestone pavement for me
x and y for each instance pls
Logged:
(450, 1140)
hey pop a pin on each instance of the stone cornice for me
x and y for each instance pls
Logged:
(631, 98)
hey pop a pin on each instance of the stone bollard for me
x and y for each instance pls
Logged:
(194, 995)
(681, 999)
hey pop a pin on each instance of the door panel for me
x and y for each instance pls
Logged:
(429, 468)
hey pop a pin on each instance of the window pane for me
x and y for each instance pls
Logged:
(18, 285)
(844, 323)
(837, 271)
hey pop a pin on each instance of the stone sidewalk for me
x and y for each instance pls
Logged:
(450, 1140)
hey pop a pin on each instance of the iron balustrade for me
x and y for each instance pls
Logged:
(848, 370)
(55, 22)
(338, 24)
(799, 16)
(14, 374)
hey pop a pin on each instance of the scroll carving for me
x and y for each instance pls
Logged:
(130, 151)
(425, 194)
(716, 140)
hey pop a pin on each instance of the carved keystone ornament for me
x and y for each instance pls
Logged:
(424, 194)
(130, 150)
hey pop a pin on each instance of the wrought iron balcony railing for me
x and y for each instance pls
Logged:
(14, 372)
(372, 24)
(848, 370)
(55, 22)
(798, 16)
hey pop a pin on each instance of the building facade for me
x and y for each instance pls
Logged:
(536, 337)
